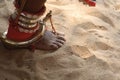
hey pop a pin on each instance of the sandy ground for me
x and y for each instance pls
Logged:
(92, 50)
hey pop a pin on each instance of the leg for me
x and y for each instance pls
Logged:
(49, 41)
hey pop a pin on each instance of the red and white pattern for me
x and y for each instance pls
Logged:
(27, 25)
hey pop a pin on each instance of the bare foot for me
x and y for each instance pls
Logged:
(50, 41)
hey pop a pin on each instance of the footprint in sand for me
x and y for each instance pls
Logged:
(100, 46)
(100, 36)
(7, 74)
(102, 27)
(90, 25)
(117, 7)
(102, 17)
(81, 51)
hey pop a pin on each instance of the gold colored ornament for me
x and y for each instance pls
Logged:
(15, 44)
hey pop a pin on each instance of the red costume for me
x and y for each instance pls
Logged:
(25, 27)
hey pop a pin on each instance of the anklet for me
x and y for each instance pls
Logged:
(15, 44)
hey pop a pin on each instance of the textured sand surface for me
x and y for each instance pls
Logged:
(92, 50)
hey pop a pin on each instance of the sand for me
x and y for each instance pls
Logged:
(92, 50)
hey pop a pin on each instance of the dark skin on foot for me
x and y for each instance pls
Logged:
(49, 41)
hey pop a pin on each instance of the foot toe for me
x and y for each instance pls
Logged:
(58, 44)
(50, 41)
(60, 41)
(61, 38)
(54, 47)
